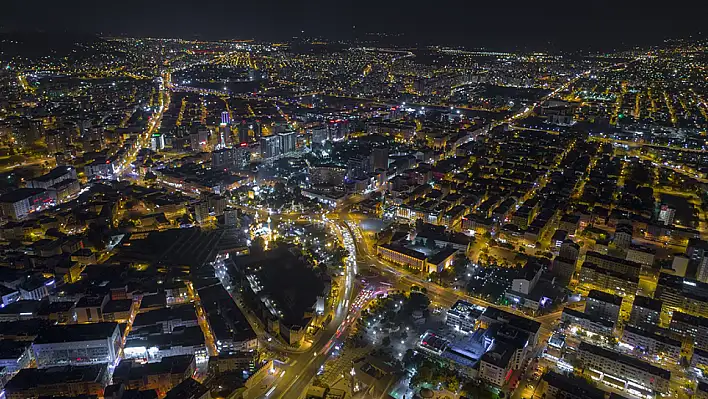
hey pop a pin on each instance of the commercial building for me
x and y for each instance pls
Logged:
(561, 386)
(462, 316)
(152, 344)
(417, 260)
(160, 376)
(102, 169)
(168, 319)
(492, 315)
(593, 324)
(65, 381)
(495, 364)
(651, 344)
(622, 371)
(77, 344)
(14, 355)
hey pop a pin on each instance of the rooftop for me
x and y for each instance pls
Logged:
(573, 385)
(32, 378)
(76, 332)
(605, 297)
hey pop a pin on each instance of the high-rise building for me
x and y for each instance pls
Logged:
(198, 139)
(231, 217)
(270, 147)
(379, 158)
(702, 273)
(666, 214)
(157, 142)
(201, 211)
(603, 305)
(257, 129)
(338, 129)
(319, 135)
(57, 140)
(358, 166)
(230, 158)
(225, 136)
(646, 311)
(288, 141)
(243, 136)
(225, 118)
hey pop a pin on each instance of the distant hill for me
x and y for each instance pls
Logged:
(32, 45)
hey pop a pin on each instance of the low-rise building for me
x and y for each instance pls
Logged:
(560, 386)
(160, 376)
(462, 316)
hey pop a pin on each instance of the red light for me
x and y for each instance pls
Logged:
(244, 144)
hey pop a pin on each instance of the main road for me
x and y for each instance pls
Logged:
(303, 368)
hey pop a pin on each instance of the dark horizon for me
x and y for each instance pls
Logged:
(512, 25)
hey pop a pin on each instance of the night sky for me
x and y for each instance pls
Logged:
(512, 24)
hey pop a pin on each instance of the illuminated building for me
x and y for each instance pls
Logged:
(157, 142)
(77, 344)
(612, 263)
(682, 294)
(603, 305)
(288, 142)
(18, 204)
(160, 376)
(561, 386)
(587, 322)
(230, 158)
(645, 311)
(666, 214)
(495, 364)
(65, 381)
(651, 344)
(55, 176)
(462, 316)
(622, 371)
(693, 329)
(270, 147)
(606, 280)
(225, 118)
